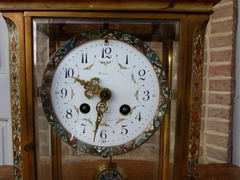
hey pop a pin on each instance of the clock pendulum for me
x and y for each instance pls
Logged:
(110, 171)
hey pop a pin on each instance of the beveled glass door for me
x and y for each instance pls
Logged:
(56, 159)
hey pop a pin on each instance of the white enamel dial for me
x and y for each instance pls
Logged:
(121, 68)
(104, 92)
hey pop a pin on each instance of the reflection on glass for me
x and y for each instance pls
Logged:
(56, 159)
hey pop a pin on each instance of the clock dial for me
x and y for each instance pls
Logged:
(94, 66)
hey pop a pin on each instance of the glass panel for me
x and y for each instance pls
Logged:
(55, 158)
(173, 105)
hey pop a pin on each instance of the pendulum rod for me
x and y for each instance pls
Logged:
(106, 24)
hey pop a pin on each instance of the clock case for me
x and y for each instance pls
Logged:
(180, 21)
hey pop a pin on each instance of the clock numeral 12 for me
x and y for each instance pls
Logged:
(106, 52)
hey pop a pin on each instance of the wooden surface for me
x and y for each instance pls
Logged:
(218, 172)
(6, 173)
(59, 1)
(206, 172)
(123, 5)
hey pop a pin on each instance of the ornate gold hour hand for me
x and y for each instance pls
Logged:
(91, 87)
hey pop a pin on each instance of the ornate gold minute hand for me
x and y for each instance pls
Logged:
(101, 107)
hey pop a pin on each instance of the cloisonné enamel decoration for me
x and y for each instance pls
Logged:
(104, 92)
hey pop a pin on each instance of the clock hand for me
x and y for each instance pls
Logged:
(101, 107)
(91, 87)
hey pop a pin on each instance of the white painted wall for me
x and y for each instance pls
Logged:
(236, 115)
(6, 152)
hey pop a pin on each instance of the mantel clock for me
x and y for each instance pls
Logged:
(106, 89)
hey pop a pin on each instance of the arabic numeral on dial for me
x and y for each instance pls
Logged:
(139, 116)
(84, 128)
(124, 130)
(147, 95)
(63, 92)
(126, 59)
(69, 72)
(106, 52)
(103, 134)
(142, 74)
(69, 113)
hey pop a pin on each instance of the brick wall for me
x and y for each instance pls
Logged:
(218, 90)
